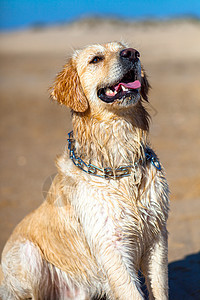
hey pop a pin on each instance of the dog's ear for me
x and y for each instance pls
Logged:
(67, 89)
(145, 86)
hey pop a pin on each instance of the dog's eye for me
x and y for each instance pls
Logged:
(96, 59)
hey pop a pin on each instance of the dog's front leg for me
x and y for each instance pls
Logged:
(155, 269)
(120, 284)
(102, 230)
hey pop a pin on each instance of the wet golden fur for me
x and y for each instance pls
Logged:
(92, 235)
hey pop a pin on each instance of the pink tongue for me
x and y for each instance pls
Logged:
(130, 85)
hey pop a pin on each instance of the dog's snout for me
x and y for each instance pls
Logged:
(130, 54)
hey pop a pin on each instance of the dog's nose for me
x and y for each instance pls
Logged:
(130, 54)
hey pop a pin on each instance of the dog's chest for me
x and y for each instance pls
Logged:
(110, 215)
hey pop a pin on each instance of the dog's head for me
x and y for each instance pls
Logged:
(109, 74)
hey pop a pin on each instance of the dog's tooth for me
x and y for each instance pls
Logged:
(124, 89)
(109, 92)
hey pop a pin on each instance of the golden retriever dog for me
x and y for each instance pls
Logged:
(104, 218)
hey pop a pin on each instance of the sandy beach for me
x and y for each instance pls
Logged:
(34, 129)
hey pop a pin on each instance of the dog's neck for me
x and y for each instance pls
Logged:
(111, 140)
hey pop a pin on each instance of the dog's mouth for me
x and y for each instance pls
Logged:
(128, 86)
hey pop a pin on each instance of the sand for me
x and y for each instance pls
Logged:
(34, 129)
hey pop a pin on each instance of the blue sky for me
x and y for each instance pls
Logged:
(16, 14)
